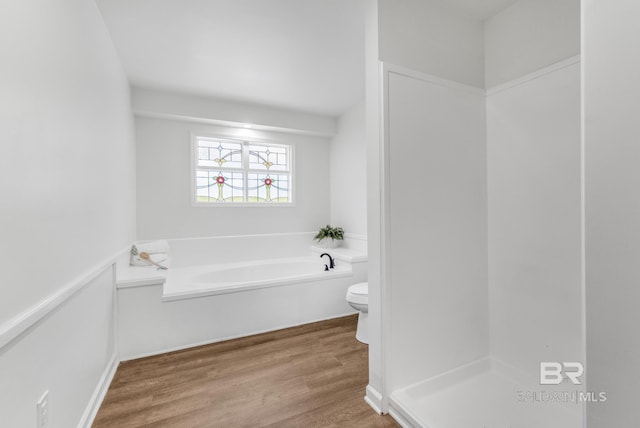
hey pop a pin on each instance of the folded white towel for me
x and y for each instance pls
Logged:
(157, 250)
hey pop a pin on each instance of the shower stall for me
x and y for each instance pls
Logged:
(481, 280)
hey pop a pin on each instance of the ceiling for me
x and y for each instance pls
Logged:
(305, 55)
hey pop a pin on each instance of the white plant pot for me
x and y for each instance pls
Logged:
(329, 243)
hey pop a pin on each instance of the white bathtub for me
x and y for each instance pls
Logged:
(222, 288)
(198, 281)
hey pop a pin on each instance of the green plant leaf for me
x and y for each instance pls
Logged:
(335, 233)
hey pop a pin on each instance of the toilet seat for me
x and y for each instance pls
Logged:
(359, 293)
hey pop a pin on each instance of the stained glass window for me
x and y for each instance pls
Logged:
(268, 187)
(233, 171)
(271, 158)
(212, 186)
(219, 153)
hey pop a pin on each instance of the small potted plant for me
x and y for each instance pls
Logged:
(329, 237)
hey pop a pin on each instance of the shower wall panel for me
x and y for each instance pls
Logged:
(437, 248)
(533, 150)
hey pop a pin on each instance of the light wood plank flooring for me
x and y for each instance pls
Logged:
(309, 376)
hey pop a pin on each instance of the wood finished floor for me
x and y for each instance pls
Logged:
(309, 376)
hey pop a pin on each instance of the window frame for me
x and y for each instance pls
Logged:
(245, 170)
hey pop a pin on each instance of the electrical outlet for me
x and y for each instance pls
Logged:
(42, 409)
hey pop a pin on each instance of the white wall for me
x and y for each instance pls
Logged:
(611, 97)
(427, 36)
(163, 104)
(163, 170)
(533, 145)
(376, 389)
(348, 174)
(436, 242)
(529, 35)
(67, 158)
(67, 192)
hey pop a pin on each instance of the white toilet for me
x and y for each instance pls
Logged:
(358, 298)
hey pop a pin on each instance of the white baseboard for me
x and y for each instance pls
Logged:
(99, 393)
(374, 399)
